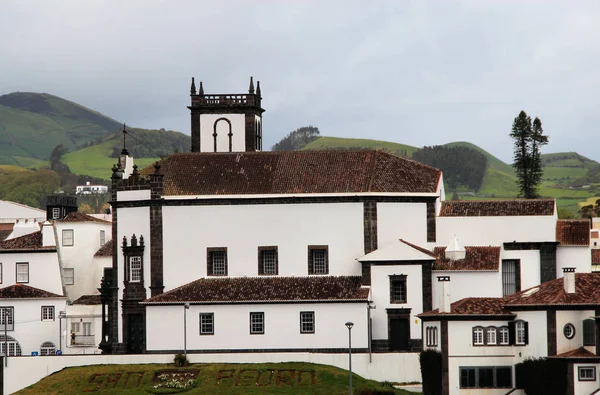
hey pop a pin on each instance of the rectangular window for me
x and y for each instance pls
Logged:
(7, 318)
(69, 276)
(55, 212)
(22, 272)
(307, 322)
(87, 329)
(521, 335)
(207, 323)
(257, 323)
(267, 261)
(398, 289)
(318, 260)
(486, 377)
(511, 275)
(47, 313)
(102, 237)
(478, 336)
(135, 269)
(216, 261)
(589, 332)
(504, 336)
(491, 333)
(587, 373)
(67, 238)
(75, 327)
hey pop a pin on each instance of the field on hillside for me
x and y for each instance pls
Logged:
(273, 378)
(343, 143)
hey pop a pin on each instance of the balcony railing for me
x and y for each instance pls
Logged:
(83, 340)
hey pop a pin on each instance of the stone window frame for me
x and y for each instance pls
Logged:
(55, 212)
(209, 261)
(431, 336)
(261, 267)
(583, 373)
(395, 280)
(135, 273)
(257, 323)
(312, 249)
(307, 322)
(68, 241)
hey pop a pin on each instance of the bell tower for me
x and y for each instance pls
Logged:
(226, 122)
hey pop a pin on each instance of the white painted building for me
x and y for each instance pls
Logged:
(89, 189)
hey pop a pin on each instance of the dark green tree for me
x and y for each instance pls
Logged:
(528, 137)
(297, 139)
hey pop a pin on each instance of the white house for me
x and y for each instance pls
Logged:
(89, 188)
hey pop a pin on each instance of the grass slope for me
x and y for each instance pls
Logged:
(32, 124)
(323, 143)
(272, 378)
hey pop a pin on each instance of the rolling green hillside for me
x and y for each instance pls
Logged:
(343, 143)
(32, 124)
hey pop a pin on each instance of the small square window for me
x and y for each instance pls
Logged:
(69, 276)
(47, 313)
(23, 272)
(587, 373)
(75, 327)
(307, 322)
(67, 238)
(135, 269)
(257, 323)
(398, 289)
(216, 261)
(207, 324)
(318, 260)
(267, 261)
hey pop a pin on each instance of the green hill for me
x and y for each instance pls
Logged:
(32, 124)
(343, 143)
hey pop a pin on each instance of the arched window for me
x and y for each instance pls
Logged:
(216, 136)
(478, 336)
(521, 333)
(14, 349)
(504, 339)
(491, 334)
(431, 336)
(589, 332)
(47, 348)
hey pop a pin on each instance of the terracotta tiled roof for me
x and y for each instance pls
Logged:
(88, 300)
(595, 257)
(474, 306)
(476, 258)
(580, 352)
(266, 289)
(573, 232)
(494, 208)
(80, 217)
(294, 172)
(32, 241)
(587, 292)
(105, 250)
(22, 291)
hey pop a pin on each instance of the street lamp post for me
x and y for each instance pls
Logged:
(186, 306)
(349, 325)
(61, 315)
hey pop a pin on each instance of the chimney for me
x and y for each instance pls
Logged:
(455, 251)
(569, 279)
(48, 235)
(444, 294)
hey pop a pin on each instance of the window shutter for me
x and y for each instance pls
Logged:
(226, 261)
(260, 263)
(209, 264)
(526, 329)
(310, 262)
(511, 333)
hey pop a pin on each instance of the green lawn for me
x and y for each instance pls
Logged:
(272, 378)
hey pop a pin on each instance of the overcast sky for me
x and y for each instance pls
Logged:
(414, 72)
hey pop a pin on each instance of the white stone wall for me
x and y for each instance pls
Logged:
(401, 221)
(44, 271)
(82, 314)
(467, 284)
(585, 387)
(238, 128)
(578, 257)
(576, 318)
(456, 362)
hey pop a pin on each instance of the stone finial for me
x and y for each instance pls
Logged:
(193, 87)
(251, 87)
(201, 89)
(156, 167)
(134, 241)
(124, 241)
(135, 173)
(258, 89)
(141, 241)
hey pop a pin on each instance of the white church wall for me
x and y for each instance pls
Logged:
(401, 221)
(467, 284)
(44, 270)
(238, 128)
(578, 257)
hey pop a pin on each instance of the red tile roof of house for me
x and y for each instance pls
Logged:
(595, 257)
(32, 241)
(473, 306)
(573, 232)
(80, 217)
(587, 292)
(476, 259)
(88, 300)
(105, 250)
(577, 353)
(294, 172)
(22, 291)
(494, 208)
(266, 289)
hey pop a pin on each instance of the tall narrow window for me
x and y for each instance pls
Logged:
(589, 332)
(504, 339)
(87, 329)
(216, 262)
(135, 269)
(257, 323)
(511, 276)
(22, 272)
(69, 275)
(478, 336)
(102, 237)
(307, 322)
(1, 273)
(67, 238)
(267, 260)
(521, 333)
(318, 260)
(55, 212)
(7, 318)
(490, 334)
(398, 289)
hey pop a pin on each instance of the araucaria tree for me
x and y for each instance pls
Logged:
(528, 137)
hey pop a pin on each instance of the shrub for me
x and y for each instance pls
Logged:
(431, 372)
(542, 376)
(180, 360)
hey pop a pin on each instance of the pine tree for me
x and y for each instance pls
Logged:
(528, 137)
